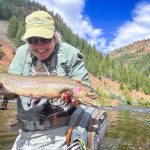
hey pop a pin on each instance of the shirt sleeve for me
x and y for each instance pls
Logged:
(17, 64)
(76, 66)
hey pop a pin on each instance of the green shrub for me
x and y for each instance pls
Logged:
(143, 102)
(128, 98)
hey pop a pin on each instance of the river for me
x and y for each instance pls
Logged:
(126, 130)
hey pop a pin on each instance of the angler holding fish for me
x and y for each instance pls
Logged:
(43, 76)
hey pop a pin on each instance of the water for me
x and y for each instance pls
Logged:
(125, 130)
(7, 117)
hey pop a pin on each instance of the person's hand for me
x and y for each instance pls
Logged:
(67, 97)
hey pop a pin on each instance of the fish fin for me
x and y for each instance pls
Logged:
(65, 91)
(79, 81)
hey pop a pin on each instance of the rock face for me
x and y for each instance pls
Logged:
(139, 47)
(7, 49)
(6, 46)
(3, 28)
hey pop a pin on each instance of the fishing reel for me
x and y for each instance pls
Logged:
(50, 110)
(44, 112)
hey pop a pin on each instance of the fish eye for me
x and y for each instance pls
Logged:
(91, 90)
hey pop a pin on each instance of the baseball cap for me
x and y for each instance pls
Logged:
(40, 24)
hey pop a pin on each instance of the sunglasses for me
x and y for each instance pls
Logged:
(35, 40)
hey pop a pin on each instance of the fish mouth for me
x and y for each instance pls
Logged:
(93, 96)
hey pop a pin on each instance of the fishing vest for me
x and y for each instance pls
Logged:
(30, 114)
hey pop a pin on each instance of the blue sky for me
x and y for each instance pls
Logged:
(107, 14)
(107, 24)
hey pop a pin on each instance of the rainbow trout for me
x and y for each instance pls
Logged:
(46, 86)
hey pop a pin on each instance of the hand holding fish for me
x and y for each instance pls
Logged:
(69, 99)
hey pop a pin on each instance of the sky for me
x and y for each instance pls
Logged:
(107, 24)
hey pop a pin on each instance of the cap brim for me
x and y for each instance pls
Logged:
(39, 32)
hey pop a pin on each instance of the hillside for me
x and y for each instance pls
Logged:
(140, 48)
(136, 55)
(114, 87)
(6, 46)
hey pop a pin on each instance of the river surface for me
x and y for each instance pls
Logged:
(126, 130)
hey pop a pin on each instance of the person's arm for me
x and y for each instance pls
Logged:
(75, 63)
(16, 67)
(77, 68)
(17, 64)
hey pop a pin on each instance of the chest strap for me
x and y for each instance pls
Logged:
(27, 125)
(61, 119)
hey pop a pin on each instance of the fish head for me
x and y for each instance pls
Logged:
(82, 90)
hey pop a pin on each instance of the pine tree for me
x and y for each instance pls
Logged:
(20, 32)
(12, 28)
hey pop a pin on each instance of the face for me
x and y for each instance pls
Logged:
(40, 47)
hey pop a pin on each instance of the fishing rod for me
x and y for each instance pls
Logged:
(125, 105)
(132, 110)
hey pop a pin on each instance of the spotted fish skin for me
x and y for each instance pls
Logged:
(45, 86)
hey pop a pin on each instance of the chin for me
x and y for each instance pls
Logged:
(42, 57)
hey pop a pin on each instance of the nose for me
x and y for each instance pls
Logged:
(39, 42)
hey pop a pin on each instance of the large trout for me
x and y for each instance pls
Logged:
(46, 86)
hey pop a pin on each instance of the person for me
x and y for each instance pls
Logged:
(45, 53)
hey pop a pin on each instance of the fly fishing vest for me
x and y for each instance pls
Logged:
(40, 115)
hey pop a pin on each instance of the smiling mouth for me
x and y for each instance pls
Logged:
(41, 51)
